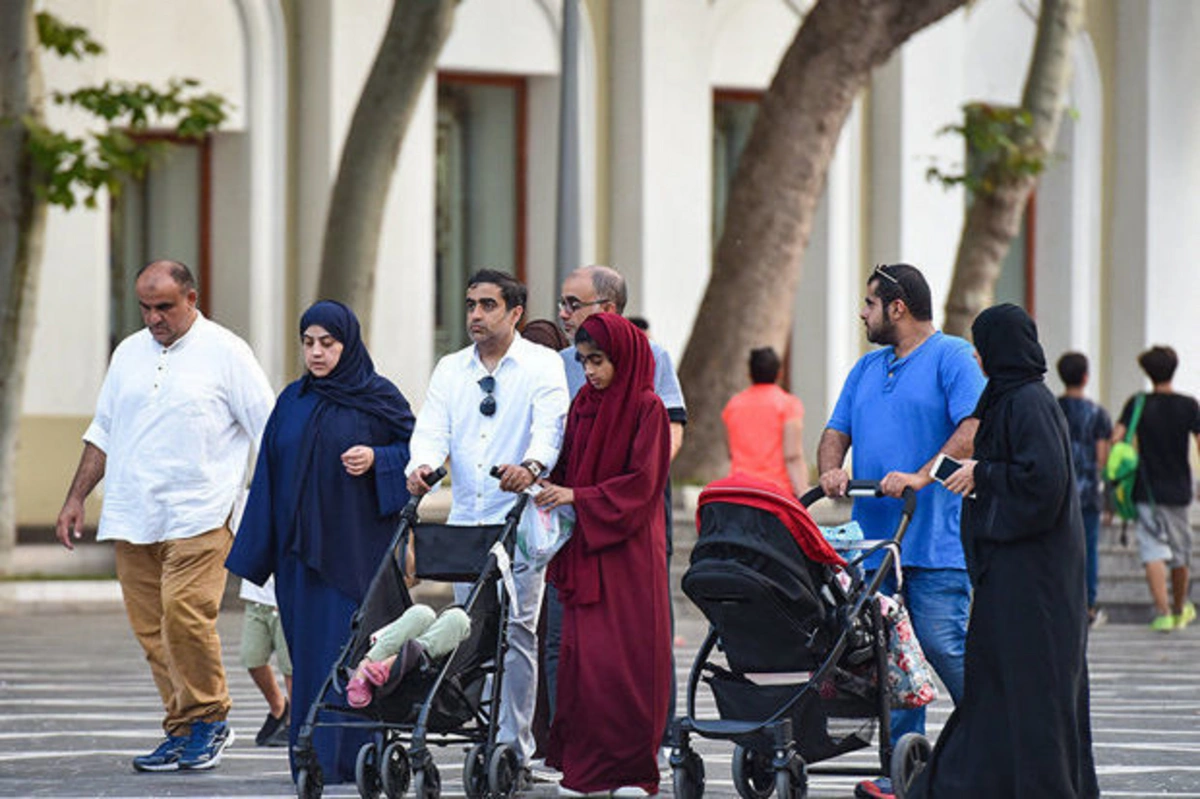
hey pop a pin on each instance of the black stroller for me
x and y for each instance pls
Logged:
(780, 601)
(443, 703)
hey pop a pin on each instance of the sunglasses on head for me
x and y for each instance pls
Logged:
(487, 406)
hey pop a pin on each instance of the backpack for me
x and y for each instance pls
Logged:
(1122, 467)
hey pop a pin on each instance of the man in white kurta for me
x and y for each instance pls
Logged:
(181, 407)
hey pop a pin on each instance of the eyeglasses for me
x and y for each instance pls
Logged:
(487, 406)
(573, 304)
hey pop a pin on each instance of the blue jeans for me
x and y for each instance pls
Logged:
(939, 602)
(1091, 536)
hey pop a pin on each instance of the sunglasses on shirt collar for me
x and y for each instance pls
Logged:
(487, 406)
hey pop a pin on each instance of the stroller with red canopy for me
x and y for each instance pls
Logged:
(805, 647)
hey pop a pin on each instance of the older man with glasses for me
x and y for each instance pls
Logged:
(501, 402)
(900, 406)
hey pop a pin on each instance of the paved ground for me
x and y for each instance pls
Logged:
(76, 703)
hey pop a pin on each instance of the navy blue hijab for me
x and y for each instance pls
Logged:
(354, 383)
(341, 527)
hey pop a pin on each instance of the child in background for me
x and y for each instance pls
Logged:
(1090, 429)
(262, 634)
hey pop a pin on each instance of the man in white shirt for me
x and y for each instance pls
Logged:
(182, 405)
(500, 402)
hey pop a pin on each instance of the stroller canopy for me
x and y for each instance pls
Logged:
(741, 489)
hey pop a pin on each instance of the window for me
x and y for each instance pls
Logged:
(163, 215)
(480, 205)
(1016, 283)
(733, 117)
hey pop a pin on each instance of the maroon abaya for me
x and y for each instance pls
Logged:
(614, 664)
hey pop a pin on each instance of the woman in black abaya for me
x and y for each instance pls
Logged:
(1022, 728)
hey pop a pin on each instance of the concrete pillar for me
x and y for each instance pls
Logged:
(918, 92)
(1156, 219)
(661, 160)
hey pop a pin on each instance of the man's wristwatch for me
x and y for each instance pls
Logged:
(534, 467)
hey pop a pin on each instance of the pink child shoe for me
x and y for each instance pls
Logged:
(358, 692)
(376, 672)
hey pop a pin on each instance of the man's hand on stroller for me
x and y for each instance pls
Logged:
(894, 483)
(513, 477)
(834, 482)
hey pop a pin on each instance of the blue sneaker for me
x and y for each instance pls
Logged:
(165, 757)
(874, 789)
(205, 745)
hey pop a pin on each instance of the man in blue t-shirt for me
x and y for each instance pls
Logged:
(900, 406)
(1090, 428)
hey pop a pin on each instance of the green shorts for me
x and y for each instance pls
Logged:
(262, 634)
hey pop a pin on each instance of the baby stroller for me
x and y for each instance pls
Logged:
(442, 703)
(804, 644)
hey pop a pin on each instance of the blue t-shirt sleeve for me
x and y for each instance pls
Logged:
(843, 411)
(666, 386)
(962, 381)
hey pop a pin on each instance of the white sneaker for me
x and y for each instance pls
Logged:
(568, 793)
(629, 792)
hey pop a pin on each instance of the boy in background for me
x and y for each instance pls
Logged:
(1090, 429)
(262, 634)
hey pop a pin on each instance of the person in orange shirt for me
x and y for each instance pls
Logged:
(763, 427)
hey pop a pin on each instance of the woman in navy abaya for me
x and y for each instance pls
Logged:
(324, 503)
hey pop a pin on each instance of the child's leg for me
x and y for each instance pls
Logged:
(450, 629)
(412, 623)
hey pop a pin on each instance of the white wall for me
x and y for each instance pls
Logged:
(70, 345)
(1153, 295)
(913, 220)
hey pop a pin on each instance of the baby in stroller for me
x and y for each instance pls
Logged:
(400, 646)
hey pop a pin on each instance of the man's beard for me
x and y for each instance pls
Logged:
(885, 334)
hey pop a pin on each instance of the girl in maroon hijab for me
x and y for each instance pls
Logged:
(614, 667)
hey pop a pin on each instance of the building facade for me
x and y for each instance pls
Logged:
(668, 91)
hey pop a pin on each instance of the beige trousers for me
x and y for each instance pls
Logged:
(172, 593)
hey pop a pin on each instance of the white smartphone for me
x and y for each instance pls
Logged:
(944, 466)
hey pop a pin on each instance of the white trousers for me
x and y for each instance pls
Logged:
(518, 693)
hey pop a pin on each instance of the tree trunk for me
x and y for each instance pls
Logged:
(414, 38)
(22, 224)
(779, 179)
(993, 221)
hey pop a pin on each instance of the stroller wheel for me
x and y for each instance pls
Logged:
(366, 772)
(689, 777)
(502, 771)
(395, 771)
(909, 757)
(790, 785)
(427, 783)
(752, 773)
(309, 783)
(475, 772)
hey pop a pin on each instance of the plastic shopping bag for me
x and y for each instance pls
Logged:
(541, 532)
(910, 678)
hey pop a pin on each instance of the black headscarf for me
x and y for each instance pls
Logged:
(1007, 341)
(354, 383)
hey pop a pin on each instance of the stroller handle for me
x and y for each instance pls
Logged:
(410, 509)
(863, 488)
